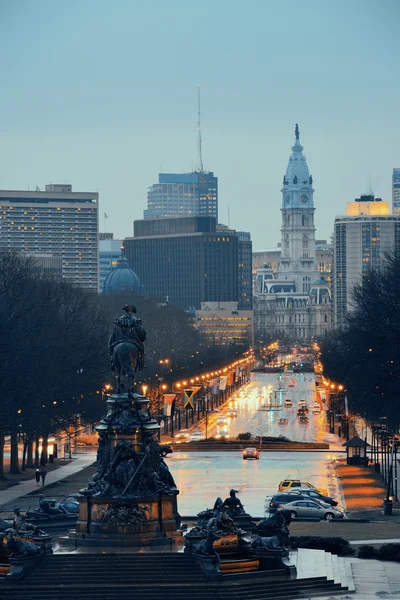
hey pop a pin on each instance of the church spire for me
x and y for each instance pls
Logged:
(297, 132)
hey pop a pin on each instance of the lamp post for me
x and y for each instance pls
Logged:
(206, 399)
(332, 408)
(105, 389)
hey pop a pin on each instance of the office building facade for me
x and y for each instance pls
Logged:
(245, 251)
(110, 251)
(48, 265)
(57, 221)
(224, 324)
(396, 192)
(361, 239)
(183, 195)
(185, 261)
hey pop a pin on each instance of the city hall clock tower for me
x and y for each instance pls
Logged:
(298, 262)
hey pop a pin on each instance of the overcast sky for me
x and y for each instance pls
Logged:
(102, 94)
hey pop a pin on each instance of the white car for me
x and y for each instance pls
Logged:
(182, 436)
(316, 408)
(196, 436)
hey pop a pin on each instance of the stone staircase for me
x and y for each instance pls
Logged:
(171, 576)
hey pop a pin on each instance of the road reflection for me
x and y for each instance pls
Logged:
(259, 407)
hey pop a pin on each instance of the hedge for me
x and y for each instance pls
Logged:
(385, 552)
(334, 545)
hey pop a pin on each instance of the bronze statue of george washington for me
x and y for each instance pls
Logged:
(126, 348)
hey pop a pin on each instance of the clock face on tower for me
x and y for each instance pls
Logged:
(287, 199)
(304, 198)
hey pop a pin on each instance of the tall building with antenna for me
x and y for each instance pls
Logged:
(192, 194)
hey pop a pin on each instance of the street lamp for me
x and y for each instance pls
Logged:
(144, 389)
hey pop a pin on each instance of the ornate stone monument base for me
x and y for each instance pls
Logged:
(126, 521)
(132, 499)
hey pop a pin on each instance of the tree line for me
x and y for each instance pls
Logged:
(364, 354)
(54, 356)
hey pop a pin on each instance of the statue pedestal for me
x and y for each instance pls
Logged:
(126, 521)
(132, 499)
(273, 560)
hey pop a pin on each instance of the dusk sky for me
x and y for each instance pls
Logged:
(103, 95)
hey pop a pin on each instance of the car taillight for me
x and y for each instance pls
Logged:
(272, 504)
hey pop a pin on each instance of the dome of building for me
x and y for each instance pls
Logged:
(121, 279)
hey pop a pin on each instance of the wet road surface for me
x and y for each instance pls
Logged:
(203, 476)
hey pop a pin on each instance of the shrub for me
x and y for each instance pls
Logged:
(335, 545)
(367, 551)
(244, 436)
(389, 552)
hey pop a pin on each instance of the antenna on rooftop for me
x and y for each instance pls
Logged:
(369, 183)
(199, 166)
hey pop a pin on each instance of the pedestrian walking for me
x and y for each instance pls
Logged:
(37, 475)
(43, 475)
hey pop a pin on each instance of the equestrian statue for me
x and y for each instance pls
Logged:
(126, 349)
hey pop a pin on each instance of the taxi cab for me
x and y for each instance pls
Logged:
(294, 484)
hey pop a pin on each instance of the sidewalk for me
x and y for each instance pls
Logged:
(26, 487)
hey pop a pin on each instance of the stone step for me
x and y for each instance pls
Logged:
(162, 593)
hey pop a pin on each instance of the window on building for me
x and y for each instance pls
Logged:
(306, 285)
(304, 220)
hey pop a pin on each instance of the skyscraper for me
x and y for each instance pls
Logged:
(361, 239)
(183, 195)
(396, 191)
(185, 261)
(58, 222)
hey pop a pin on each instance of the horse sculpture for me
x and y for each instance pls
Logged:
(126, 349)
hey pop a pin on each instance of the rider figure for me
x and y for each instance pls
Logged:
(128, 328)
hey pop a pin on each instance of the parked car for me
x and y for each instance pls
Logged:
(315, 495)
(165, 449)
(294, 484)
(196, 436)
(288, 403)
(182, 436)
(281, 498)
(307, 509)
(250, 453)
(283, 421)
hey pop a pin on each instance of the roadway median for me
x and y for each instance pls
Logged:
(224, 446)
